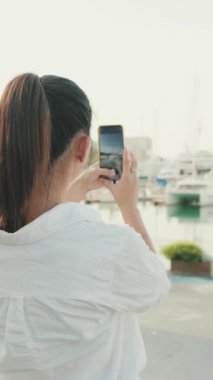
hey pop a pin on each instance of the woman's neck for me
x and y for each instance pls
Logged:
(39, 203)
(47, 194)
(44, 197)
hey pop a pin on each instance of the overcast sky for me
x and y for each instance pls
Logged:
(146, 64)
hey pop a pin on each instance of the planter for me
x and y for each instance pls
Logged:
(204, 268)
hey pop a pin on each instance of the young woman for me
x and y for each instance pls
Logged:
(70, 285)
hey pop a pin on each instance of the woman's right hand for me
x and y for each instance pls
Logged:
(89, 179)
(125, 190)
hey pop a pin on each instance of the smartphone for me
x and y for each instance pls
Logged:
(111, 144)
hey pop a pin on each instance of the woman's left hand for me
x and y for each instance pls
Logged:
(88, 180)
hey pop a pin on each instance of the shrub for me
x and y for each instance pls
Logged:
(183, 250)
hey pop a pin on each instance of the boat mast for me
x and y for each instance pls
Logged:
(196, 126)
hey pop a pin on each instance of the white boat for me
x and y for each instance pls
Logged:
(192, 190)
(149, 168)
(183, 213)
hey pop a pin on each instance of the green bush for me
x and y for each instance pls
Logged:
(183, 250)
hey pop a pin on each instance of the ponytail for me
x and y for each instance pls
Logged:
(25, 133)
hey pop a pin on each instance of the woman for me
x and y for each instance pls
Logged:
(70, 285)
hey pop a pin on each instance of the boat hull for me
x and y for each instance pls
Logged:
(189, 198)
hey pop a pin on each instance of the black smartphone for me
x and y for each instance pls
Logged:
(111, 144)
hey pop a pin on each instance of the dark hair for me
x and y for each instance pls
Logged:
(38, 119)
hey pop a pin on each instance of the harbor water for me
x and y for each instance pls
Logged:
(167, 224)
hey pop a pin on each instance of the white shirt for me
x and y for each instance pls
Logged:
(70, 288)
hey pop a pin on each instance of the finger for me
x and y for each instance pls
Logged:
(134, 163)
(95, 165)
(107, 183)
(126, 161)
(104, 171)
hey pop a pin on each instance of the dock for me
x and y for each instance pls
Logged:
(178, 334)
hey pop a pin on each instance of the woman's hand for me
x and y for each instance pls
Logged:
(125, 191)
(88, 180)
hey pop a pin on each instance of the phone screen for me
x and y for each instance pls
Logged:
(111, 148)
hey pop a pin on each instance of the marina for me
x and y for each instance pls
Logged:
(80, 81)
(175, 199)
(168, 224)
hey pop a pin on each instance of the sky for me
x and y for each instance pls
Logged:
(145, 64)
(111, 143)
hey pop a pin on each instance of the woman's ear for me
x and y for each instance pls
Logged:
(83, 148)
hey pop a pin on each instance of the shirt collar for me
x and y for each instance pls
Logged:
(60, 216)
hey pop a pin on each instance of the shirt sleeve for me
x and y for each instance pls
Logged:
(138, 279)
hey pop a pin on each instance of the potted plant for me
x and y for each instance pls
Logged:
(188, 258)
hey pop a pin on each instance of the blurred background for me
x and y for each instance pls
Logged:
(145, 64)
